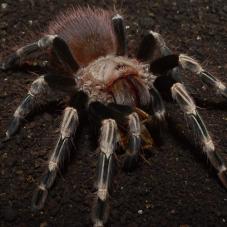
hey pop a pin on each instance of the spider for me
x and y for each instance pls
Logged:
(88, 63)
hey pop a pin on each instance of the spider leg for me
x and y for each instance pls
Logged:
(58, 46)
(147, 47)
(188, 106)
(157, 104)
(108, 140)
(39, 94)
(118, 25)
(173, 62)
(134, 141)
(57, 159)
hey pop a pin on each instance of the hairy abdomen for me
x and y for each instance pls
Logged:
(88, 33)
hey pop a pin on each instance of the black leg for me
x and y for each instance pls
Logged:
(157, 104)
(57, 160)
(147, 47)
(161, 45)
(108, 140)
(164, 64)
(188, 106)
(63, 54)
(27, 51)
(118, 25)
(59, 49)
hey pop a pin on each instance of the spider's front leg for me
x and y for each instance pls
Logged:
(187, 105)
(58, 46)
(108, 140)
(30, 50)
(60, 154)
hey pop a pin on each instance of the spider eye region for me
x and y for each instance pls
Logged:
(111, 68)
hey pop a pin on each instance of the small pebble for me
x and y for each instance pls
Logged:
(4, 5)
(140, 211)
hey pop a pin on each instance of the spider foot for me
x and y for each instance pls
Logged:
(130, 163)
(10, 62)
(100, 212)
(223, 177)
(40, 194)
(39, 198)
(3, 142)
(13, 128)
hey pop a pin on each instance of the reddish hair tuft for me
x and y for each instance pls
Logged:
(88, 32)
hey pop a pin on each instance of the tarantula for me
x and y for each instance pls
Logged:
(88, 63)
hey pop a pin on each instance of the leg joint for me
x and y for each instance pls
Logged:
(134, 124)
(46, 41)
(70, 122)
(109, 136)
(182, 97)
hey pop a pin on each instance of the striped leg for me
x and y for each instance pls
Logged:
(172, 62)
(30, 50)
(39, 94)
(57, 160)
(108, 140)
(187, 105)
(207, 78)
(59, 49)
(134, 142)
(157, 104)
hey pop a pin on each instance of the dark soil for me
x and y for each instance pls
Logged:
(178, 188)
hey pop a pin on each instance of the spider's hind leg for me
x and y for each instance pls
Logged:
(187, 105)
